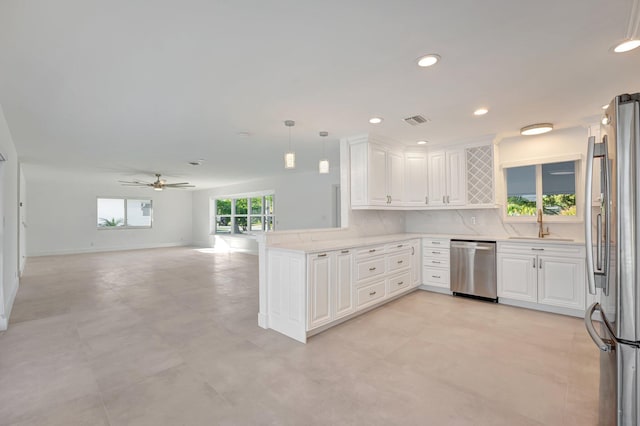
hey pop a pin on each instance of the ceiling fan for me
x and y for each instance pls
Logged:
(158, 185)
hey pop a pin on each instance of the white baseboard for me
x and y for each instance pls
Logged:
(435, 289)
(106, 249)
(8, 305)
(545, 308)
(262, 320)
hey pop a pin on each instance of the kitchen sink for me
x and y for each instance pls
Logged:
(541, 239)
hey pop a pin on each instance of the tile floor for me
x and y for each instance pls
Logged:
(169, 337)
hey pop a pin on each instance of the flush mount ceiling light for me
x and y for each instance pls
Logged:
(375, 120)
(631, 41)
(536, 129)
(422, 142)
(290, 156)
(626, 46)
(480, 111)
(428, 60)
(323, 164)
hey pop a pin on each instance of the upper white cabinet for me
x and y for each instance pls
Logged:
(446, 178)
(480, 176)
(415, 179)
(377, 175)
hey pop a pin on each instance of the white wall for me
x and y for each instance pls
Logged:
(62, 217)
(490, 221)
(9, 190)
(302, 201)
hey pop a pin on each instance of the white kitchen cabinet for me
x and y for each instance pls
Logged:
(518, 277)
(377, 175)
(416, 265)
(344, 303)
(435, 264)
(415, 179)
(550, 276)
(320, 288)
(446, 178)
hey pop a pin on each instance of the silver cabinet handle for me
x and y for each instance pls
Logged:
(344, 251)
(588, 322)
(435, 261)
(539, 263)
(443, 200)
(400, 245)
(401, 282)
(322, 255)
(534, 263)
(399, 262)
(447, 199)
(372, 269)
(435, 276)
(537, 249)
(426, 200)
(435, 242)
(372, 250)
(413, 251)
(372, 293)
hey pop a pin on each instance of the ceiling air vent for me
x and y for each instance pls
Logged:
(416, 120)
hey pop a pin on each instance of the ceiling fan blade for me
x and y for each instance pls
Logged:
(135, 184)
(176, 185)
(141, 182)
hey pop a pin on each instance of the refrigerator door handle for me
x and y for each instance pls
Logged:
(606, 206)
(588, 322)
(588, 217)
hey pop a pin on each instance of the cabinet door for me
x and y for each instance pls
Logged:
(377, 175)
(517, 277)
(415, 179)
(561, 282)
(436, 182)
(416, 263)
(456, 177)
(395, 178)
(319, 296)
(344, 300)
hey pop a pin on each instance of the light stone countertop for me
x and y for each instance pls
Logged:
(355, 242)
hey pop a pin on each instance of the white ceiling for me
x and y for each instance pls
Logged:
(123, 87)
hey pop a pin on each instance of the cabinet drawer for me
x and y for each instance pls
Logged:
(370, 294)
(435, 242)
(399, 261)
(399, 246)
(436, 252)
(369, 268)
(550, 249)
(435, 262)
(398, 283)
(367, 252)
(435, 276)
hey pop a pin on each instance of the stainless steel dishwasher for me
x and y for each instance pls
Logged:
(473, 269)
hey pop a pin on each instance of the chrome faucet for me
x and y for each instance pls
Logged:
(541, 232)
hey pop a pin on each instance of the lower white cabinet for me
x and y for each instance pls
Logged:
(435, 264)
(336, 284)
(547, 275)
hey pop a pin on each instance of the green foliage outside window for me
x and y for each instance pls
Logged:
(520, 206)
(555, 205)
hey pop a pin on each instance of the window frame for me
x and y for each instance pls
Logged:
(126, 215)
(538, 163)
(233, 198)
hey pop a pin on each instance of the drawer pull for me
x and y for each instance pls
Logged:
(435, 242)
(435, 261)
(399, 262)
(372, 269)
(344, 251)
(537, 249)
(435, 252)
(401, 282)
(372, 293)
(372, 250)
(400, 245)
(435, 276)
(322, 255)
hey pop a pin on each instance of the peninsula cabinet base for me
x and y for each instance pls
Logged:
(435, 289)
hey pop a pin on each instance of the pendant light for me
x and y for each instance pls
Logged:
(290, 156)
(323, 165)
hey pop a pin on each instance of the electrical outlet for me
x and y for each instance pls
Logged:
(473, 220)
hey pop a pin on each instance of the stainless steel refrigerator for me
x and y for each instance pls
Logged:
(613, 259)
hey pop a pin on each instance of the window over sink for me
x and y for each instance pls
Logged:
(547, 186)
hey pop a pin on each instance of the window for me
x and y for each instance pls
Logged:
(241, 214)
(118, 213)
(550, 187)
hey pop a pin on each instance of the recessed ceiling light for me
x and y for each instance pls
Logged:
(626, 46)
(480, 111)
(428, 60)
(422, 142)
(536, 129)
(375, 120)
